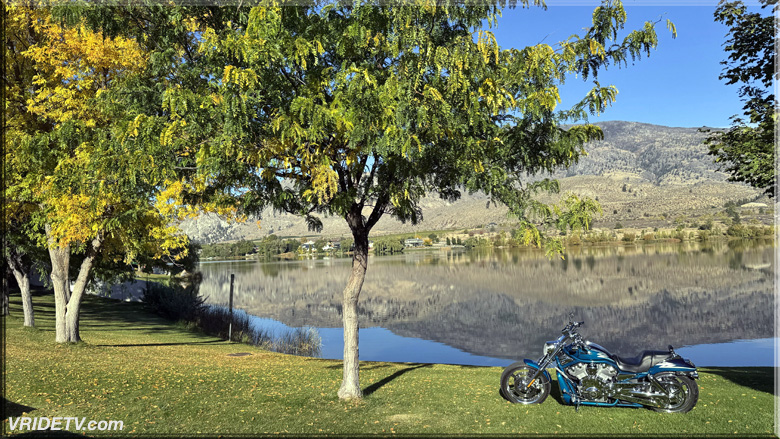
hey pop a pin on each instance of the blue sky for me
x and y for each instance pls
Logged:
(677, 85)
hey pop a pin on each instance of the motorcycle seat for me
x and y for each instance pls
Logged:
(643, 361)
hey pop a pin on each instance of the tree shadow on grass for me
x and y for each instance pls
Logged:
(362, 366)
(12, 409)
(760, 379)
(377, 385)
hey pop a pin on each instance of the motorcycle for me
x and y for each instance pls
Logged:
(589, 375)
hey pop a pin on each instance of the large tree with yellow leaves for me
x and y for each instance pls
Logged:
(74, 171)
(358, 109)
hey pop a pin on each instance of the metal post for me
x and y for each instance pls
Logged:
(230, 307)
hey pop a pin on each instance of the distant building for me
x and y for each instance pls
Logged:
(413, 242)
(308, 245)
(332, 246)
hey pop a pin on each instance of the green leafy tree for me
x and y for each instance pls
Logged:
(359, 109)
(18, 209)
(73, 157)
(319, 244)
(243, 247)
(346, 244)
(747, 149)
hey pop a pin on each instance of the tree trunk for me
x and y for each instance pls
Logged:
(22, 276)
(74, 303)
(27, 306)
(60, 259)
(6, 308)
(67, 305)
(350, 385)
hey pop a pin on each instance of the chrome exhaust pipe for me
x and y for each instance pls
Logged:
(644, 398)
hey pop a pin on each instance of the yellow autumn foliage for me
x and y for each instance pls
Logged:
(324, 184)
(75, 218)
(57, 72)
(169, 202)
(73, 66)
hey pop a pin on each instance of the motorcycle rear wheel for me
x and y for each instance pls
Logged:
(515, 388)
(684, 392)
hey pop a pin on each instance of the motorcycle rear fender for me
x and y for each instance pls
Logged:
(535, 365)
(679, 365)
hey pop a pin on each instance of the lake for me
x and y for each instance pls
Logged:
(713, 301)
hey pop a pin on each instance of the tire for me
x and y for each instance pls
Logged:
(514, 385)
(684, 392)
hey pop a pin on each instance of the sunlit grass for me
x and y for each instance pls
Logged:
(159, 378)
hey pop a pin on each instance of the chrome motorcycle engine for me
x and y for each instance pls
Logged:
(596, 380)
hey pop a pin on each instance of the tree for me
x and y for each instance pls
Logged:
(319, 244)
(78, 165)
(21, 255)
(747, 149)
(358, 109)
(6, 305)
(19, 73)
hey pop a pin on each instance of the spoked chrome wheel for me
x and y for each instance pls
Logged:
(515, 385)
(683, 392)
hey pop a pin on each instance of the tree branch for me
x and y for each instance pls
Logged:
(342, 180)
(361, 167)
(368, 181)
(379, 210)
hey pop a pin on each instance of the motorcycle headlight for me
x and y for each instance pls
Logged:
(548, 347)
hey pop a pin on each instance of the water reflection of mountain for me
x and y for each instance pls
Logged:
(507, 304)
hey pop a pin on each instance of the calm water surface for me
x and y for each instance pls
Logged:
(714, 303)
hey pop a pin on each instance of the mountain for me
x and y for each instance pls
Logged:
(657, 154)
(638, 170)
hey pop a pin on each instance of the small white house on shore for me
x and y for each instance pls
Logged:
(413, 242)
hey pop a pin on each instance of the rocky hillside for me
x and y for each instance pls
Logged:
(638, 170)
(656, 154)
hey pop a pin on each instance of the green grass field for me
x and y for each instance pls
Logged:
(159, 378)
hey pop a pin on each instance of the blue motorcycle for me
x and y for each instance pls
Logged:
(589, 375)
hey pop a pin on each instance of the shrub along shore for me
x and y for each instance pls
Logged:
(186, 306)
(161, 378)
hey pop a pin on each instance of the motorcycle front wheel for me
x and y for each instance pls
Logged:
(683, 392)
(515, 388)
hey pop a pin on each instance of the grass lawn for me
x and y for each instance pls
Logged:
(159, 378)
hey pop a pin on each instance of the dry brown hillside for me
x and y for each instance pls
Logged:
(638, 172)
